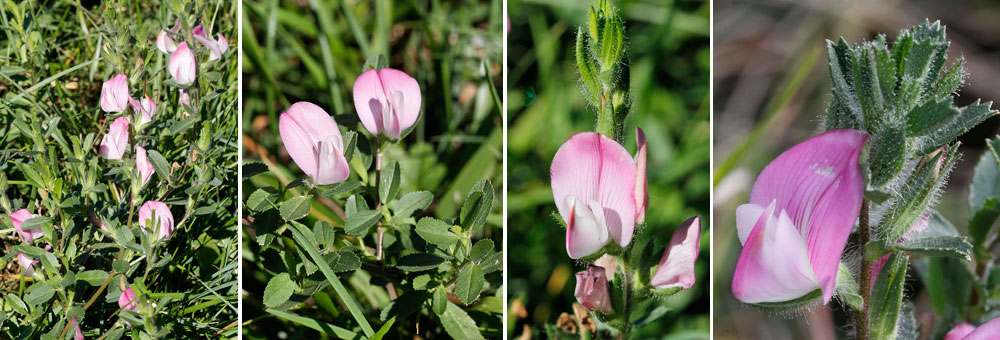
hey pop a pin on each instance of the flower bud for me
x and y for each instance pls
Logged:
(592, 290)
(17, 218)
(164, 43)
(143, 167)
(156, 217)
(676, 268)
(144, 108)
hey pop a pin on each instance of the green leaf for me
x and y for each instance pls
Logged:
(406, 304)
(949, 284)
(354, 204)
(383, 330)
(324, 233)
(251, 169)
(159, 164)
(439, 301)
(436, 232)
(278, 290)
(480, 250)
(319, 326)
(388, 185)
(887, 298)
(38, 293)
(295, 208)
(888, 154)
(953, 246)
(458, 324)
(983, 220)
(361, 222)
(343, 260)
(846, 288)
(469, 283)
(968, 117)
(477, 207)
(260, 200)
(34, 222)
(15, 302)
(927, 117)
(412, 202)
(92, 277)
(915, 199)
(419, 262)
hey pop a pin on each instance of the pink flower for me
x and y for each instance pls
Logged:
(115, 142)
(26, 263)
(987, 331)
(592, 290)
(182, 65)
(199, 32)
(593, 184)
(183, 98)
(641, 188)
(114, 94)
(387, 101)
(145, 108)
(17, 218)
(128, 301)
(77, 333)
(802, 210)
(313, 140)
(676, 268)
(163, 223)
(164, 43)
(215, 47)
(142, 164)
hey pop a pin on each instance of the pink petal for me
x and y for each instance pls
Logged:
(959, 332)
(164, 222)
(676, 268)
(586, 231)
(17, 218)
(164, 43)
(592, 290)
(143, 166)
(313, 140)
(987, 331)
(214, 52)
(774, 263)
(591, 167)
(26, 264)
(182, 65)
(77, 333)
(819, 184)
(223, 43)
(114, 94)
(641, 187)
(114, 143)
(199, 31)
(128, 301)
(387, 101)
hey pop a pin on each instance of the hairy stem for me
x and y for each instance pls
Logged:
(861, 318)
(626, 293)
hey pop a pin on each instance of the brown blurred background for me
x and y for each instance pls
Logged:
(771, 85)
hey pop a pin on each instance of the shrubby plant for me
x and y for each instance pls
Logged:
(117, 200)
(874, 177)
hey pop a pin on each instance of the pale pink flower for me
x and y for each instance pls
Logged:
(115, 142)
(676, 268)
(143, 166)
(802, 209)
(163, 223)
(77, 333)
(17, 218)
(145, 108)
(592, 290)
(387, 101)
(987, 331)
(182, 65)
(313, 140)
(114, 94)
(164, 43)
(27, 263)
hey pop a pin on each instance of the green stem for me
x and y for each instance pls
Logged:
(627, 286)
(861, 318)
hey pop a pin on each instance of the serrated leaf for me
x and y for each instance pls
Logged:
(419, 262)
(295, 208)
(477, 207)
(983, 220)
(986, 178)
(278, 290)
(953, 246)
(251, 169)
(469, 283)
(436, 232)
(968, 117)
(413, 202)
(927, 117)
(439, 301)
(38, 293)
(420, 282)
(361, 222)
(343, 261)
(888, 154)
(887, 298)
(388, 185)
(406, 304)
(915, 199)
(354, 204)
(92, 277)
(324, 233)
(458, 324)
(260, 200)
(492, 262)
(480, 250)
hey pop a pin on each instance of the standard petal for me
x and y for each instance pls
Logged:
(746, 218)
(182, 65)
(114, 94)
(774, 263)
(26, 264)
(303, 127)
(164, 43)
(586, 232)
(676, 268)
(641, 188)
(144, 167)
(223, 43)
(404, 93)
(986, 331)
(819, 184)
(370, 101)
(593, 167)
(163, 223)
(214, 52)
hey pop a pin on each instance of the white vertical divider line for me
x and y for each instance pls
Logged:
(239, 170)
(503, 115)
(711, 169)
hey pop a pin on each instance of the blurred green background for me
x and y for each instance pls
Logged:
(313, 51)
(771, 86)
(668, 50)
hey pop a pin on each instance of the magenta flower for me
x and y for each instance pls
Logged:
(313, 140)
(593, 184)
(27, 264)
(641, 187)
(182, 65)
(114, 94)
(115, 142)
(143, 166)
(387, 101)
(802, 209)
(592, 290)
(199, 32)
(128, 301)
(163, 224)
(145, 108)
(676, 268)
(164, 43)
(17, 218)
(77, 333)
(964, 331)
